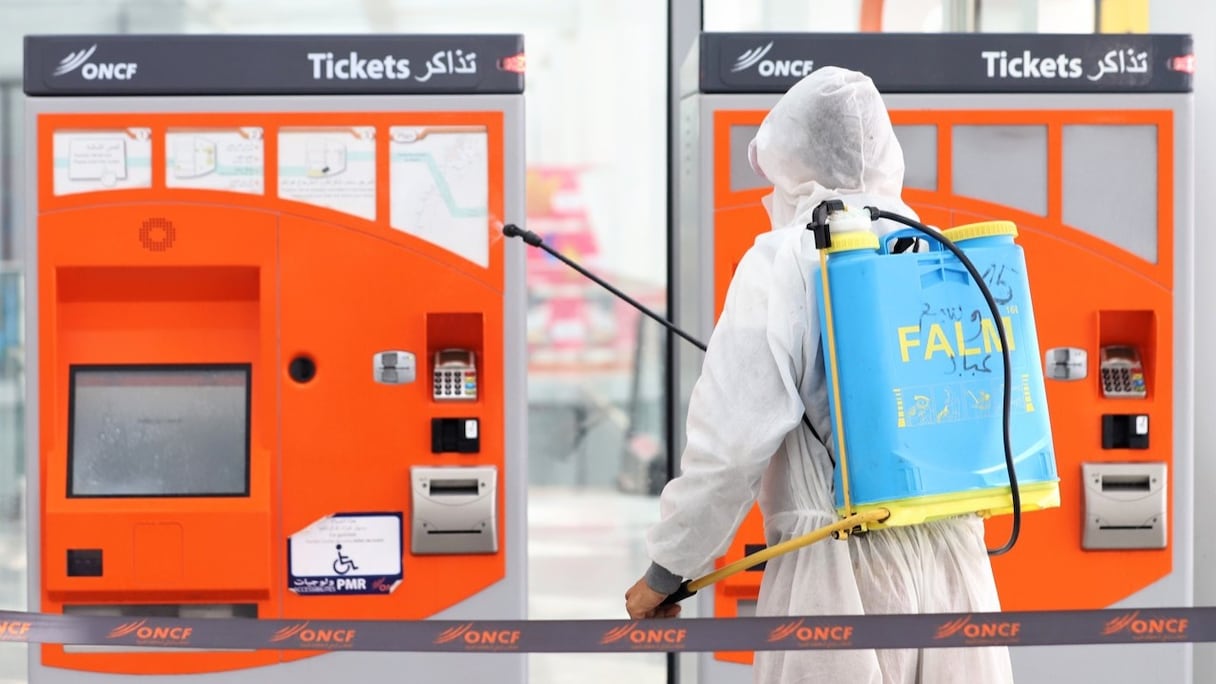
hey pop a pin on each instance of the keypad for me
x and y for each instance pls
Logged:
(455, 384)
(1123, 382)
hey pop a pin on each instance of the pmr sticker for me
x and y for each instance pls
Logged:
(346, 553)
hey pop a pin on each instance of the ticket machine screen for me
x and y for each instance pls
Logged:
(159, 431)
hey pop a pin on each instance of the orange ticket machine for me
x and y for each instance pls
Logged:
(1084, 142)
(275, 356)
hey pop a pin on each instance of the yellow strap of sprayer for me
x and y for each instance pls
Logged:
(768, 553)
(840, 441)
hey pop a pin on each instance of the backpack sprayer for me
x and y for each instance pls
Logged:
(911, 393)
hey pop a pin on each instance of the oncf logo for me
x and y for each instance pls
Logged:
(73, 61)
(813, 635)
(143, 632)
(319, 637)
(750, 57)
(755, 57)
(14, 631)
(997, 630)
(653, 636)
(90, 71)
(479, 638)
(1154, 628)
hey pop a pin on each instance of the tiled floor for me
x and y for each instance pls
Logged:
(585, 549)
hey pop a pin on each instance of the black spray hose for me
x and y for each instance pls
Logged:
(876, 214)
(534, 240)
(531, 238)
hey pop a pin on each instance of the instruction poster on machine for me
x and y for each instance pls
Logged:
(333, 168)
(215, 159)
(439, 187)
(93, 160)
(346, 553)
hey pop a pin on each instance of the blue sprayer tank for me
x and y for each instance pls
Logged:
(919, 366)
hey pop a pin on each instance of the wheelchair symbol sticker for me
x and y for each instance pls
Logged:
(343, 564)
(347, 553)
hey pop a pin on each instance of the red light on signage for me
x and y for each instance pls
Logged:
(514, 64)
(1185, 64)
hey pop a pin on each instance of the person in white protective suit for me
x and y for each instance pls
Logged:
(828, 137)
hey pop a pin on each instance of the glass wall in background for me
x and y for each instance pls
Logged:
(12, 414)
(596, 165)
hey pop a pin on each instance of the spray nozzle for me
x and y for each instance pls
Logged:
(819, 222)
(835, 216)
(512, 230)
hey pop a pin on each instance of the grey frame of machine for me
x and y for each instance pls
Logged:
(750, 71)
(270, 74)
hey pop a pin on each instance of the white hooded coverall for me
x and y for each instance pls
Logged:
(828, 137)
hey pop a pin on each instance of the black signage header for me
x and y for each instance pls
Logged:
(273, 65)
(951, 63)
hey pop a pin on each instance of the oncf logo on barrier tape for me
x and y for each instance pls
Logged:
(315, 638)
(480, 639)
(1153, 629)
(657, 638)
(817, 636)
(994, 631)
(171, 636)
(14, 630)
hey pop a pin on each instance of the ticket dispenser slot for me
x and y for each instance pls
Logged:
(455, 510)
(1124, 505)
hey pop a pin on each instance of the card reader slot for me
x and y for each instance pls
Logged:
(1126, 483)
(434, 531)
(454, 487)
(1125, 527)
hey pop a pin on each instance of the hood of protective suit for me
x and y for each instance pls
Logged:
(829, 136)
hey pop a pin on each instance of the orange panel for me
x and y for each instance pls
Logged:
(1112, 295)
(256, 279)
(345, 437)
(744, 586)
(207, 299)
(1048, 569)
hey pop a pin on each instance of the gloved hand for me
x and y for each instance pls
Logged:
(642, 602)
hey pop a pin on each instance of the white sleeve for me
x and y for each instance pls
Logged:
(742, 406)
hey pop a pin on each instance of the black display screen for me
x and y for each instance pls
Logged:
(159, 431)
